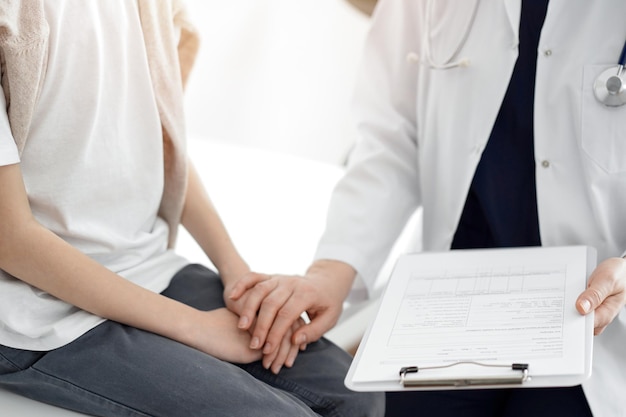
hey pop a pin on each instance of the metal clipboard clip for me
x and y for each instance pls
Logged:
(465, 382)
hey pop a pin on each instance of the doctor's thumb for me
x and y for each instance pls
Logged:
(310, 332)
(601, 284)
(583, 305)
(590, 299)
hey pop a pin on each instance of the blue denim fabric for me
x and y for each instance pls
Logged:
(116, 370)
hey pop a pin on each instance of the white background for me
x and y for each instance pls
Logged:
(276, 74)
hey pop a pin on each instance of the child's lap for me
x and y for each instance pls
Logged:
(118, 370)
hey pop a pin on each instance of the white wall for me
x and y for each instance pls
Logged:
(276, 74)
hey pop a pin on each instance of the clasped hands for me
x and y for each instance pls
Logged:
(270, 308)
(239, 298)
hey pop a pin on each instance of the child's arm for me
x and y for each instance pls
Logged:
(204, 224)
(37, 256)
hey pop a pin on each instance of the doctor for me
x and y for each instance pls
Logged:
(492, 116)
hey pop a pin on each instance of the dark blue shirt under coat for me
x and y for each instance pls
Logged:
(501, 206)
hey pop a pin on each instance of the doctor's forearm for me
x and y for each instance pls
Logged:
(337, 275)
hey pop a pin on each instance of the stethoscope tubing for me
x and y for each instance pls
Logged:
(622, 57)
(609, 87)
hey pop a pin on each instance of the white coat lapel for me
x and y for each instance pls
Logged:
(514, 11)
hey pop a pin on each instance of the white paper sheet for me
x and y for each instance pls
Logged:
(495, 307)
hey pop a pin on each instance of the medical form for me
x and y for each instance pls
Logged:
(470, 318)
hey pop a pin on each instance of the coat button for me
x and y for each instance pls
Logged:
(412, 58)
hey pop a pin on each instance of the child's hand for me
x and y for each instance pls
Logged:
(216, 333)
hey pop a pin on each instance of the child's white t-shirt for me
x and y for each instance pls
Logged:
(92, 165)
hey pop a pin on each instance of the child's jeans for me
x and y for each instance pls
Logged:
(116, 370)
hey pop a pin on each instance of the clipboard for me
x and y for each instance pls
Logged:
(479, 318)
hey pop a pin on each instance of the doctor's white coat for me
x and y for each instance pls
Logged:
(422, 130)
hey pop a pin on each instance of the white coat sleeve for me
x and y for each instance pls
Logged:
(380, 190)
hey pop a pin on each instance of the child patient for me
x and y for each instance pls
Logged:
(98, 313)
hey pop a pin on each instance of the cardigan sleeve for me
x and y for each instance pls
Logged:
(189, 41)
(23, 59)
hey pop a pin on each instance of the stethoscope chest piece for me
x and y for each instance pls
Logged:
(610, 87)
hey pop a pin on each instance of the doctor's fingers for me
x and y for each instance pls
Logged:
(278, 314)
(248, 281)
(271, 299)
(252, 300)
(287, 352)
(606, 313)
(321, 322)
(607, 280)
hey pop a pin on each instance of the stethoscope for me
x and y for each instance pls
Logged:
(609, 86)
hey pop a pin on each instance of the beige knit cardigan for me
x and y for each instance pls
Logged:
(171, 44)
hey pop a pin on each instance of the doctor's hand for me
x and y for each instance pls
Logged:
(275, 304)
(605, 294)
(236, 305)
(286, 353)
